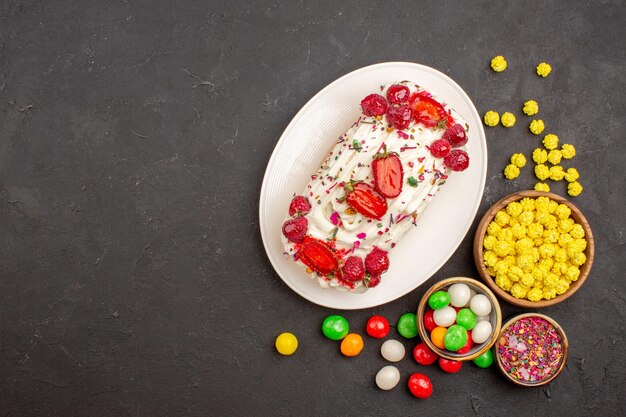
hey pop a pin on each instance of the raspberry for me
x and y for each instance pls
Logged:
(353, 269)
(295, 229)
(440, 148)
(400, 116)
(457, 160)
(398, 94)
(372, 281)
(299, 206)
(377, 261)
(456, 136)
(374, 105)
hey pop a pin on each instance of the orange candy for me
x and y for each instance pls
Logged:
(437, 335)
(352, 344)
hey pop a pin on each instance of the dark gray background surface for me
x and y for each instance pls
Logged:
(134, 136)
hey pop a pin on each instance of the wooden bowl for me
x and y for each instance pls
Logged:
(490, 281)
(564, 342)
(495, 319)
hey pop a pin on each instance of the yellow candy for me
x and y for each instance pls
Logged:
(550, 141)
(542, 171)
(518, 159)
(556, 173)
(525, 262)
(566, 225)
(571, 175)
(489, 241)
(511, 172)
(507, 119)
(530, 108)
(535, 230)
(515, 273)
(549, 294)
(528, 204)
(528, 280)
(554, 157)
(519, 291)
(537, 126)
(535, 294)
(542, 186)
(503, 282)
(577, 232)
(568, 151)
(562, 286)
(498, 63)
(561, 255)
(551, 236)
(505, 235)
(493, 228)
(491, 258)
(543, 69)
(542, 203)
(519, 231)
(526, 218)
(514, 209)
(540, 156)
(492, 118)
(286, 343)
(572, 273)
(579, 259)
(552, 205)
(501, 248)
(563, 211)
(501, 218)
(574, 188)
(523, 245)
(551, 280)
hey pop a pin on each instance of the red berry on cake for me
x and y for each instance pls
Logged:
(374, 105)
(353, 269)
(377, 261)
(365, 200)
(295, 229)
(440, 148)
(429, 112)
(371, 281)
(318, 257)
(388, 174)
(457, 160)
(299, 206)
(398, 94)
(455, 135)
(399, 116)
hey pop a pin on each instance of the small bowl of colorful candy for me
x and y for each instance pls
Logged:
(531, 349)
(459, 318)
(533, 249)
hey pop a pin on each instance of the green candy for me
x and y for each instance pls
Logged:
(335, 327)
(485, 360)
(466, 318)
(439, 300)
(407, 325)
(455, 338)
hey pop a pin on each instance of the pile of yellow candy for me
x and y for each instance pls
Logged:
(534, 249)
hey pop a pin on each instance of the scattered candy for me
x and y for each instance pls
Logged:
(498, 63)
(530, 349)
(459, 294)
(335, 327)
(352, 344)
(387, 378)
(392, 350)
(492, 118)
(429, 321)
(574, 189)
(544, 69)
(507, 119)
(511, 172)
(537, 126)
(466, 318)
(423, 355)
(438, 300)
(420, 385)
(377, 327)
(480, 305)
(530, 108)
(451, 367)
(286, 343)
(445, 317)
(455, 338)
(481, 332)
(485, 360)
(407, 325)
(550, 141)
(437, 336)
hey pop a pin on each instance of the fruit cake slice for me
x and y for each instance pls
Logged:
(375, 183)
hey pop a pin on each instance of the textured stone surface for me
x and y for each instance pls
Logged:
(133, 140)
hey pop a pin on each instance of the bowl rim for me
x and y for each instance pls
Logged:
(490, 281)
(564, 342)
(424, 334)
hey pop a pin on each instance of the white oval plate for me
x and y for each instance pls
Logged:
(314, 131)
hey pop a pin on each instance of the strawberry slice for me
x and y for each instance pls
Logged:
(365, 200)
(430, 112)
(318, 256)
(388, 174)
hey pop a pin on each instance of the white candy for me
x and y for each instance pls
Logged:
(388, 377)
(480, 305)
(481, 332)
(392, 350)
(459, 294)
(444, 317)
(472, 294)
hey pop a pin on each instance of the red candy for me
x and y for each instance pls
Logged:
(456, 136)
(423, 355)
(377, 327)
(374, 105)
(451, 367)
(457, 160)
(400, 116)
(420, 385)
(429, 321)
(468, 345)
(440, 148)
(398, 94)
